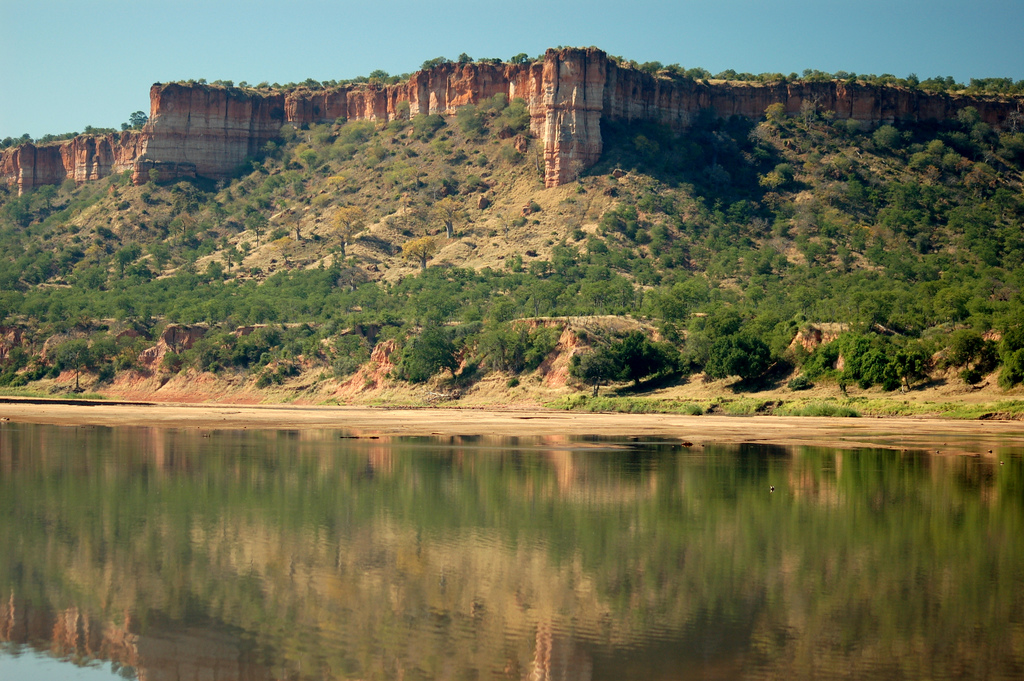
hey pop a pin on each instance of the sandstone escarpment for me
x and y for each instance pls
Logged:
(206, 131)
(82, 158)
(202, 130)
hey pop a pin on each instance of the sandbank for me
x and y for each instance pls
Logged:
(937, 435)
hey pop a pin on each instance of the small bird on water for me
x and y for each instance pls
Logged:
(771, 488)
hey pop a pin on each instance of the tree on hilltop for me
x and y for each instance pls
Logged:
(135, 121)
(436, 61)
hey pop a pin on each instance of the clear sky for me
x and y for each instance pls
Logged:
(72, 63)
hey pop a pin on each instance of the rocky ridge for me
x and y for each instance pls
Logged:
(203, 130)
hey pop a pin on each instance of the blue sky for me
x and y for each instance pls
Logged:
(72, 63)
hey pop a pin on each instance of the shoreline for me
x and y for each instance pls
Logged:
(942, 436)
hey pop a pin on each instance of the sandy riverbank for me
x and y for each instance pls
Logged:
(945, 436)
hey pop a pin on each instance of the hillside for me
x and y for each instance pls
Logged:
(424, 258)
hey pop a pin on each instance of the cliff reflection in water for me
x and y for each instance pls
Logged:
(273, 554)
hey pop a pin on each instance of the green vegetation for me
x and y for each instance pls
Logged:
(631, 358)
(724, 241)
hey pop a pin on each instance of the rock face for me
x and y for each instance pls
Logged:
(10, 337)
(208, 131)
(175, 338)
(816, 335)
(83, 158)
(572, 103)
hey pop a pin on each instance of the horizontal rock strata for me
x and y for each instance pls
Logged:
(208, 131)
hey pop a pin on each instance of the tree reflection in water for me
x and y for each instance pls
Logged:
(287, 554)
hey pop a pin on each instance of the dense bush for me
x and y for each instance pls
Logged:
(427, 354)
(631, 358)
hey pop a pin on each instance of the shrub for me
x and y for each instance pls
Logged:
(819, 409)
(971, 375)
(353, 352)
(471, 120)
(105, 373)
(508, 154)
(172, 362)
(800, 383)
(622, 219)
(514, 118)
(1013, 369)
(887, 137)
(424, 127)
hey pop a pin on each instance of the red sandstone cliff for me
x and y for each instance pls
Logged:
(208, 131)
(82, 158)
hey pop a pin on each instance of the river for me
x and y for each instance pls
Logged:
(163, 553)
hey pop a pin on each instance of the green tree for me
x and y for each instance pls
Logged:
(1013, 369)
(775, 114)
(970, 352)
(514, 347)
(74, 354)
(424, 127)
(471, 120)
(503, 347)
(185, 198)
(127, 255)
(595, 368)
(910, 363)
(257, 223)
(968, 117)
(639, 358)
(514, 118)
(887, 137)
(45, 195)
(135, 121)
(433, 63)
(738, 355)
(427, 354)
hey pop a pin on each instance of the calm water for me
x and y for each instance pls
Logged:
(166, 554)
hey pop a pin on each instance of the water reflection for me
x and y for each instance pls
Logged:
(182, 554)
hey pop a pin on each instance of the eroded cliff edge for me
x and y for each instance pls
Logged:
(203, 130)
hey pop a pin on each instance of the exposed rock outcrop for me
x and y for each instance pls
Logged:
(374, 374)
(176, 338)
(813, 336)
(204, 130)
(10, 337)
